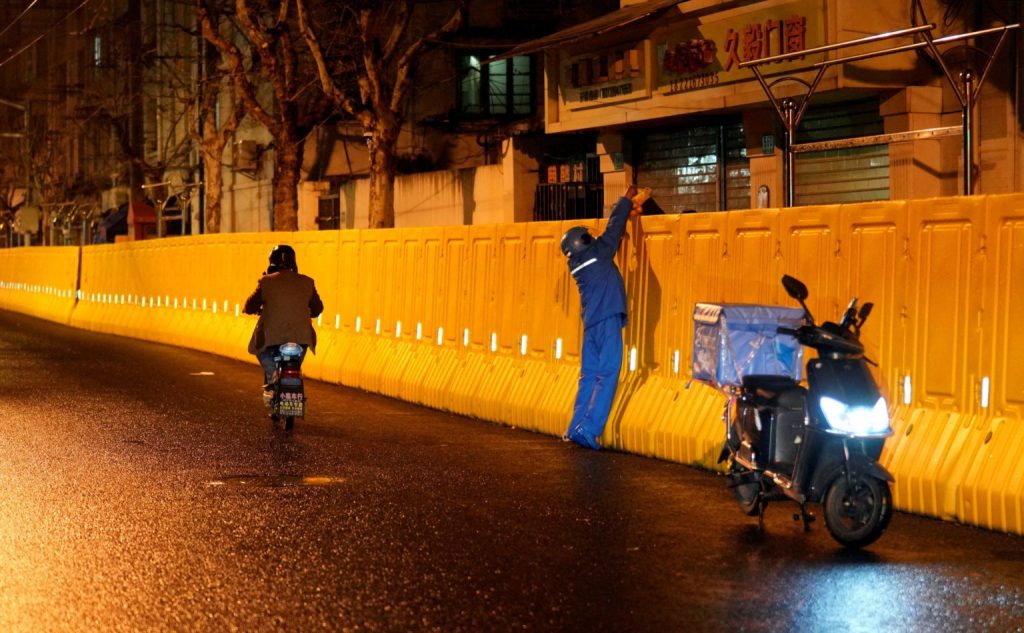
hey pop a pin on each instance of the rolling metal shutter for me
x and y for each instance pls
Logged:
(684, 168)
(856, 174)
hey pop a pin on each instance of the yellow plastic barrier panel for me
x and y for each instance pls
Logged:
(484, 320)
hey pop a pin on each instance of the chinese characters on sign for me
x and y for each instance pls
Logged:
(710, 53)
(774, 37)
(689, 56)
(607, 75)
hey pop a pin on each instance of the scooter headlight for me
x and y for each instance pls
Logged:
(856, 420)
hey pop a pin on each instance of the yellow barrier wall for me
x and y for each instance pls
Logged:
(484, 321)
(39, 281)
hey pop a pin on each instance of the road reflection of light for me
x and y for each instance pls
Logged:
(860, 596)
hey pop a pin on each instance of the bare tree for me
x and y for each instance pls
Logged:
(12, 182)
(212, 136)
(367, 73)
(270, 56)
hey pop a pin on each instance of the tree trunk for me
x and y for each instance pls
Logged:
(287, 161)
(382, 177)
(213, 188)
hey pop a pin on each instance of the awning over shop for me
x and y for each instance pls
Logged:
(613, 21)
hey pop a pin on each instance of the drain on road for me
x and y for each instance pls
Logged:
(276, 481)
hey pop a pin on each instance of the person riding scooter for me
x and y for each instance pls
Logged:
(286, 302)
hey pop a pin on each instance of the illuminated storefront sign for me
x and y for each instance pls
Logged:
(708, 53)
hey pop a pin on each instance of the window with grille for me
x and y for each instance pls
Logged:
(498, 89)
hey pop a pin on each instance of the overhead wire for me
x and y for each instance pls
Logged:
(20, 15)
(21, 50)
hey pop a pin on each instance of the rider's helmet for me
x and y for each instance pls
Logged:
(576, 240)
(282, 257)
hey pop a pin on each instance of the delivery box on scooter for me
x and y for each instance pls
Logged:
(731, 341)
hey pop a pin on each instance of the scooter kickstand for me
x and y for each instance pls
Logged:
(762, 504)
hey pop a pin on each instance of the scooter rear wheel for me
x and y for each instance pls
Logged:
(857, 511)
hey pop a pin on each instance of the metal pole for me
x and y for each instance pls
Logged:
(967, 77)
(789, 111)
(723, 188)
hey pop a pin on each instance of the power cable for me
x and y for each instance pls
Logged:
(44, 34)
(20, 15)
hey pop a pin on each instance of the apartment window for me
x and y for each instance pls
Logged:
(498, 89)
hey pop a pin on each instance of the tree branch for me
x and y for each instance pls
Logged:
(236, 67)
(405, 62)
(330, 87)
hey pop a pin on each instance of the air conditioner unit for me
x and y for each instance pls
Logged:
(247, 156)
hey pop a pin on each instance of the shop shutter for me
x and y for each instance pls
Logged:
(856, 174)
(684, 168)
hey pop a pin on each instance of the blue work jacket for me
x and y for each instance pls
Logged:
(602, 291)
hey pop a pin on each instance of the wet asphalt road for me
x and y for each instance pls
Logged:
(139, 496)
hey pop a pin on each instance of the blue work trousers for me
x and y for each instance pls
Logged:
(601, 360)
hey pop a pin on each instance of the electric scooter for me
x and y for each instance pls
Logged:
(817, 444)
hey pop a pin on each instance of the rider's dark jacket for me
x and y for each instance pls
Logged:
(286, 302)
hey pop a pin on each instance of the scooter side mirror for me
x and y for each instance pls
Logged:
(865, 310)
(794, 287)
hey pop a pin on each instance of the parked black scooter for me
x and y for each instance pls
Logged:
(818, 444)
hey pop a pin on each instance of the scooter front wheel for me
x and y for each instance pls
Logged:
(857, 509)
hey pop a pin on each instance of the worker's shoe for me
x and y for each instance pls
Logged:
(580, 436)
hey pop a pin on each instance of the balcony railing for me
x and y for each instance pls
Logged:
(568, 201)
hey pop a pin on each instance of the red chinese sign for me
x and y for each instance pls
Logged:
(756, 41)
(708, 53)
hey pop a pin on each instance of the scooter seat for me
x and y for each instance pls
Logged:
(767, 386)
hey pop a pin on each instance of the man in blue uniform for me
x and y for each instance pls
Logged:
(603, 310)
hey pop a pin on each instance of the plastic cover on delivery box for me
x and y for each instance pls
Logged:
(735, 340)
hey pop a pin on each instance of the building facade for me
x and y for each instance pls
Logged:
(532, 112)
(668, 90)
